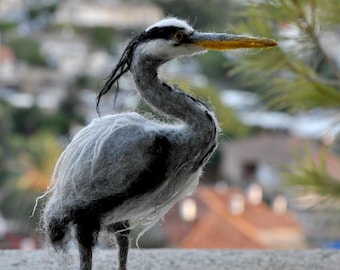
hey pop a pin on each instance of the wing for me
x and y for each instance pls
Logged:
(114, 157)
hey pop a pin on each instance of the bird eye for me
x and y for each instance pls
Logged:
(178, 36)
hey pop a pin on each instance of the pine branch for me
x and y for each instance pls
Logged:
(292, 81)
(312, 176)
(298, 75)
(311, 30)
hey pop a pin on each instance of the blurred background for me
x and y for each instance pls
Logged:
(274, 182)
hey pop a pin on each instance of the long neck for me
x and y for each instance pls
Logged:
(174, 102)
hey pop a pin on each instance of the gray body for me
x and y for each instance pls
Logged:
(104, 156)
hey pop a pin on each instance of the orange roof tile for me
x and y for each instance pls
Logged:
(6, 54)
(217, 227)
(211, 233)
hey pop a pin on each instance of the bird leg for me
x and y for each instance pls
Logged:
(122, 232)
(86, 234)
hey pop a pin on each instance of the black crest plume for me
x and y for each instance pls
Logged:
(121, 68)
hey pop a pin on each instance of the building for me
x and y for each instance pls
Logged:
(265, 158)
(102, 14)
(261, 159)
(227, 218)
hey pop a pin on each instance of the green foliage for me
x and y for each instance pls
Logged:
(28, 151)
(299, 74)
(7, 26)
(37, 10)
(31, 120)
(84, 81)
(5, 149)
(310, 173)
(101, 37)
(28, 50)
(32, 166)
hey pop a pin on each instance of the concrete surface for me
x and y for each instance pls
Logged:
(175, 259)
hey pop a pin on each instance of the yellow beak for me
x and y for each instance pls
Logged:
(213, 41)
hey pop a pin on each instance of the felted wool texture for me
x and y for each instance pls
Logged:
(95, 164)
(104, 156)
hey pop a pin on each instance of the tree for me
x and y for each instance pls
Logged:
(31, 172)
(301, 74)
(28, 50)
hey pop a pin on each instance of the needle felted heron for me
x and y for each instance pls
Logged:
(126, 169)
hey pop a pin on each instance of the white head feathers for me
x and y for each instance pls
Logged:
(172, 21)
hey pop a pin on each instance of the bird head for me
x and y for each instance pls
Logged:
(171, 38)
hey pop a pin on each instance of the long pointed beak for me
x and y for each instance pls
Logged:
(214, 41)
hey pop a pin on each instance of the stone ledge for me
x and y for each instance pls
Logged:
(176, 259)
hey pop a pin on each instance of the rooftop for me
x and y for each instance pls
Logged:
(216, 223)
